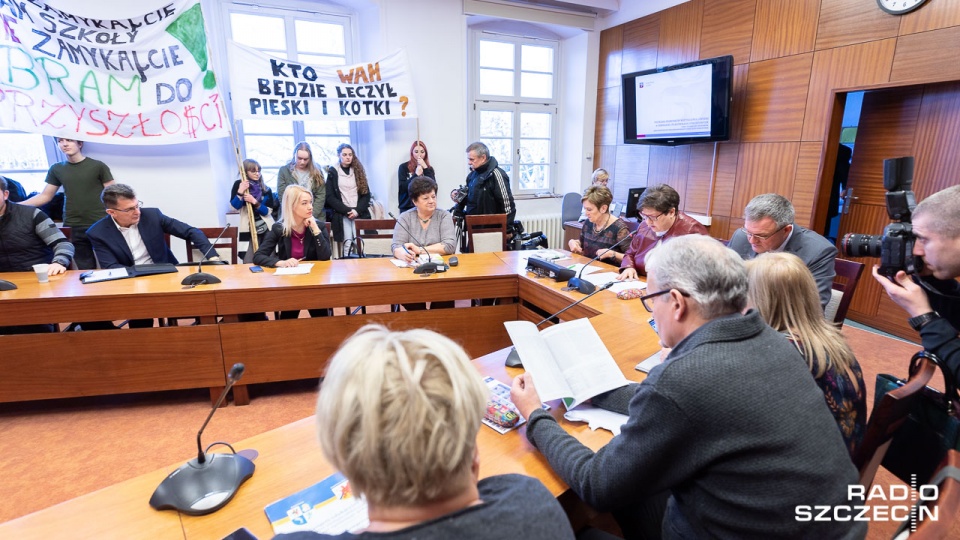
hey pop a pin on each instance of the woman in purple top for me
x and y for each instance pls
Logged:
(601, 230)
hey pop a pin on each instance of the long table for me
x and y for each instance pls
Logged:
(290, 460)
(96, 362)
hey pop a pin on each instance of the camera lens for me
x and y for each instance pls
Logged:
(861, 245)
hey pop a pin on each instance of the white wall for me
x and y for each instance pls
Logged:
(192, 181)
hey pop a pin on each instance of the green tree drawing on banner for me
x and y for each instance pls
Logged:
(188, 29)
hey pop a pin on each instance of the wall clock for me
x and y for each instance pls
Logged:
(899, 7)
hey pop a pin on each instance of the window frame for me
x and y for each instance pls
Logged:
(517, 104)
(50, 149)
(290, 13)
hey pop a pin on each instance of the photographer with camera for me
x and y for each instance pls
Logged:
(488, 187)
(931, 294)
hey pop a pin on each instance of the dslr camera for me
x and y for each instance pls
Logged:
(895, 246)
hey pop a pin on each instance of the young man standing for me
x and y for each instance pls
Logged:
(82, 180)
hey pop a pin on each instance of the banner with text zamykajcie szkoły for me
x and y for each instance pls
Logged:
(265, 87)
(141, 80)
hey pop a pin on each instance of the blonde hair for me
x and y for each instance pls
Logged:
(783, 290)
(398, 414)
(599, 174)
(291, 196)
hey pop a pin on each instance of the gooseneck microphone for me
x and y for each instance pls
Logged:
(585, 286)
(199, 277)
(204, 485)
(513, 359)
(424, 268)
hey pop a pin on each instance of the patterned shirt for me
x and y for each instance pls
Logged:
(592, 240)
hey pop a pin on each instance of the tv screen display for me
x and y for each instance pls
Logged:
(682, 104)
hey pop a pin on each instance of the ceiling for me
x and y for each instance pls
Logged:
(600, 8)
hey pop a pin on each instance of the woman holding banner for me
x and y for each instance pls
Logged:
(252, 190)
(348, 194)
(417, 165)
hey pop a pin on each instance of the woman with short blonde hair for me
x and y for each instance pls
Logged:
(602, 231)
(785, 293)
(398, 414)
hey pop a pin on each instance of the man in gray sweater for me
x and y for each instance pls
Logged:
(730, 433)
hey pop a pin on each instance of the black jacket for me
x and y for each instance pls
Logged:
(488, 192)
(23, 230)
(335, 204)
(276, 247)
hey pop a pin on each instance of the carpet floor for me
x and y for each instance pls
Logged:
(56, 450)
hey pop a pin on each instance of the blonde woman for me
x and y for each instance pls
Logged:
(783, 290)
(600, 178)
(302, 171)
(398, 413)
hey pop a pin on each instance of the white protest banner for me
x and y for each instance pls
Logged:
(269, 87)
(141, 80)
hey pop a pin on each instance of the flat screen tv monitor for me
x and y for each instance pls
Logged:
(633, 199)
(682, 104)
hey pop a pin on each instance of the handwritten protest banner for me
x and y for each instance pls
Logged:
(141, 80)
(269, 87)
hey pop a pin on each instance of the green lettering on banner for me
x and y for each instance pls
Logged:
(21, 63)
(63, 74)
(85, 85)
(134, 81)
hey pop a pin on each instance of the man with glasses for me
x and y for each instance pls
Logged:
(131, 234)
(768, 226)
(662, 219)
(726, 437)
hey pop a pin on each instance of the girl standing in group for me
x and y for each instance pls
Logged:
(348, 194)
(303, 172)
(251, 189)
(417, 165)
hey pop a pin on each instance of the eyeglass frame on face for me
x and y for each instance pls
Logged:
(644, 298)
(131, 209)
(762, 237)
(651, 219)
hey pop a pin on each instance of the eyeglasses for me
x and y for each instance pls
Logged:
(750, 235)
(649, 305)
(651, 218)
(131, 209)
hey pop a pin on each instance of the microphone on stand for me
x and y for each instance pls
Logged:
(513, 359)
(424, 268)
(202, 278)
(204, 485)
(585, 286)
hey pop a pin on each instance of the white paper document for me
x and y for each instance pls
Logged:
(568, 361)
(294, 270)
(624, 285)
(596, 417)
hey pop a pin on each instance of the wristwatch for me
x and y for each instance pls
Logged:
(921, 320)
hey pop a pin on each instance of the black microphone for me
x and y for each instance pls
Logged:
(585, 286)
(513, 359)
(204, 485)
(202, 278)
(427, 267)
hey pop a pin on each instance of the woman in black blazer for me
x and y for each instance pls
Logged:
(298, 237)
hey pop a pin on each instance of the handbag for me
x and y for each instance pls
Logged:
(931, 428)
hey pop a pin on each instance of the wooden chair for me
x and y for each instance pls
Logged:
(947, 478)
(483, 225)
(844, 285)
(375, 236)
(887, 417)
(228, 240)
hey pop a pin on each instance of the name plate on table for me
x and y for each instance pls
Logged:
(95, 276)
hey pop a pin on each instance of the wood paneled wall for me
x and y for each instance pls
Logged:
(793, 61)
(791, 56)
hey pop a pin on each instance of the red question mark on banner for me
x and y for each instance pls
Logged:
(405, 100)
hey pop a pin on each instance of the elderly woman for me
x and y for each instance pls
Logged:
(601, 230)
(783, 290)
(398, 415)
(430, 226)
(662, 219)
(298, 237)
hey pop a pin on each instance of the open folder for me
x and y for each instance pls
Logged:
(568, 361)
(95, 276)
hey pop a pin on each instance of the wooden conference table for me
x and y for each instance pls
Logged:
(97, 362)
(290, 460)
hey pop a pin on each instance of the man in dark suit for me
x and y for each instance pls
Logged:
(131, 234)
(768, 226)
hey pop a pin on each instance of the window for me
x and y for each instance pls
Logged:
(313, 38)
(515, 91)
(26, 157)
